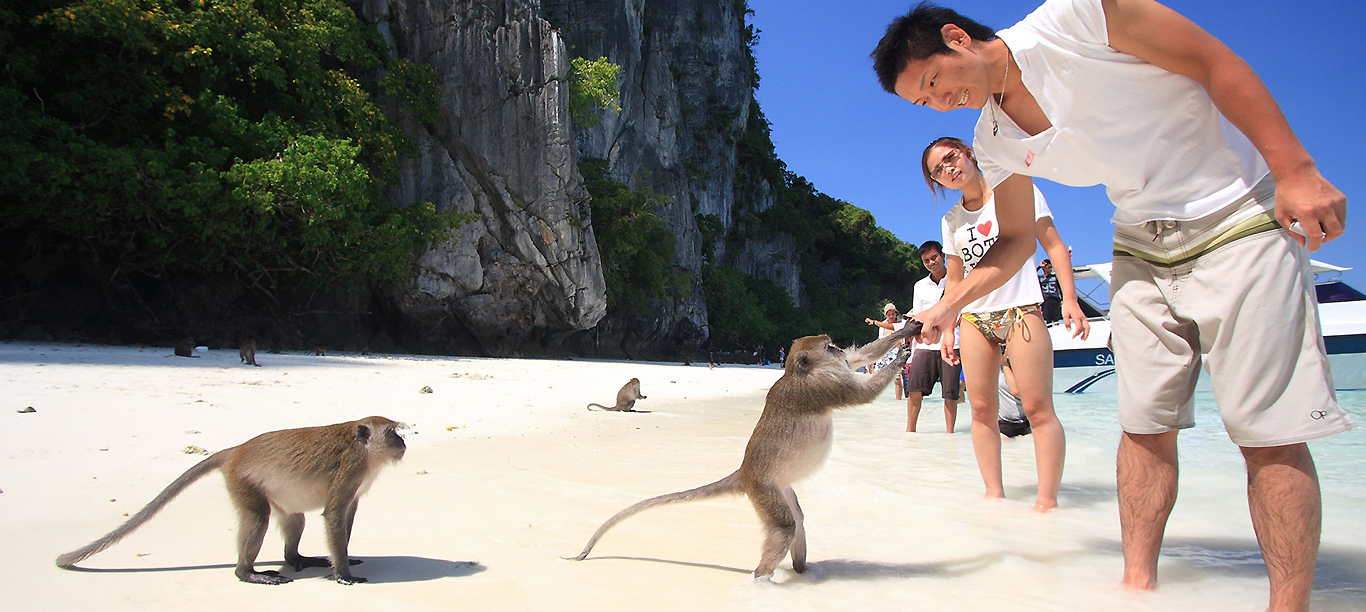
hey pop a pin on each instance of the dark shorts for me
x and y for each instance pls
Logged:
(1052, 309)
(1011, 429)
(927, 367)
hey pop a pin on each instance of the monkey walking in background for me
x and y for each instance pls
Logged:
(626, 397)
(248, 352)
(291, 472)
(791, 440)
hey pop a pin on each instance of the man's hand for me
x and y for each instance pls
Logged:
(1315, 204)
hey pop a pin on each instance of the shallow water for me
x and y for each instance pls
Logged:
(898, 521)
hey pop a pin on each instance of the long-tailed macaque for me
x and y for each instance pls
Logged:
(626, 397)
(185, 348)
(289, 472)
(248, 352)
(792, 439)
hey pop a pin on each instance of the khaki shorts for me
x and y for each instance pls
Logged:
(1232, 292)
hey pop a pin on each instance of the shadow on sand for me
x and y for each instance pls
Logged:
(1339, 575)
(376, 569)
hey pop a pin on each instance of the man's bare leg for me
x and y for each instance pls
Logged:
(913, 399)
(950, 414)
(1146, 474)
(1287, 515)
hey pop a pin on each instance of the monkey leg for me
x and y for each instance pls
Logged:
(292, 525)
(339, 520)
(799, 539)
(253, 517)
(780, 528)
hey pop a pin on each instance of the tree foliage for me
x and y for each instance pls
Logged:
(234, 135)
(637, 247)
(592, 88)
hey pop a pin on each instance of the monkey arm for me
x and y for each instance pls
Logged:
(874, 350)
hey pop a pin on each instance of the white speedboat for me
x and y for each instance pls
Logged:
(1081, 366)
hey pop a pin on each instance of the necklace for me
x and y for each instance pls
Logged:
(995, 127)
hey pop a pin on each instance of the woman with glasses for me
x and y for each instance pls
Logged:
(1008, 316)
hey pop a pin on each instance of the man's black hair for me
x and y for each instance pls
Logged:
(917, 35)
(930, 245)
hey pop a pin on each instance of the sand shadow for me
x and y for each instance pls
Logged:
(847, 569)
(852, 569)
(1071, 494)
(670, 562)
(1339, 574)
(374, 569)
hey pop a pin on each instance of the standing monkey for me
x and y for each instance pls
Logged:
(248, 352)
(791, 440)
(290, 472)
(626, 397)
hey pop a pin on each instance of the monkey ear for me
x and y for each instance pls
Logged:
(363, 433)
(803, 362)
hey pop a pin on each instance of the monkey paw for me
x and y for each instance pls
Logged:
(266, 577)
(350, 580)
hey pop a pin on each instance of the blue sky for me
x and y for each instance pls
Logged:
(835, 126)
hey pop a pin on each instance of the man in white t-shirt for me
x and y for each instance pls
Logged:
(1215, 199)
(927, 365)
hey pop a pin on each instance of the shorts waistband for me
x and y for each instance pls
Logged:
(1186, 241)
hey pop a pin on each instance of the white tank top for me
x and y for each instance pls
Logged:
(1152, 137)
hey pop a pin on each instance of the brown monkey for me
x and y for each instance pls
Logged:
(248, 352)
(791, 440)
(185, 348)
(290, 472)
(626, 397)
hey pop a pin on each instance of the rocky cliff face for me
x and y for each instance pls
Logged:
(527, 271)
(526, 278)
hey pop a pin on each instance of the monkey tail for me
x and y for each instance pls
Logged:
(590, 407)
(147, 512)
(729, 484)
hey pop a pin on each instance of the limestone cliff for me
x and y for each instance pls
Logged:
(526, 277)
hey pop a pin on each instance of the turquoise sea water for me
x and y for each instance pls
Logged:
(950, 549)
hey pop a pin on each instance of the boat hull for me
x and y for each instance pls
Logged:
(1089, 367)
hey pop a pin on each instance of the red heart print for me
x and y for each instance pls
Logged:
(984, 228)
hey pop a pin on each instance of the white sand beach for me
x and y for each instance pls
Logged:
(506, 471)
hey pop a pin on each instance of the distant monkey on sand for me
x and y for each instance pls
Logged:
(286, 472)
(185, 348)
(626, 398)
(248, 352)
(791, 440)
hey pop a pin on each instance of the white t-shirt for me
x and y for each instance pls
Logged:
(1152, 137)
(927, 294)
(969, 234)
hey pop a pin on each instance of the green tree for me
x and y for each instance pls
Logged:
(592, 88)
(637, 247)
(164, 136)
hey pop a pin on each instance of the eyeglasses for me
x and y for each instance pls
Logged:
(938, 169)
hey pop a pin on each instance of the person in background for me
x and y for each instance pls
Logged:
(890, 324)
(927, 366)
(1052, 293)
(1011, 419)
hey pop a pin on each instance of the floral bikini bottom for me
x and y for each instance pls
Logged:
(996, 325)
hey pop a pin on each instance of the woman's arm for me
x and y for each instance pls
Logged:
(1057, 251)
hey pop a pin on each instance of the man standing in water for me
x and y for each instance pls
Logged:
(1215, 201)
(927, 364)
